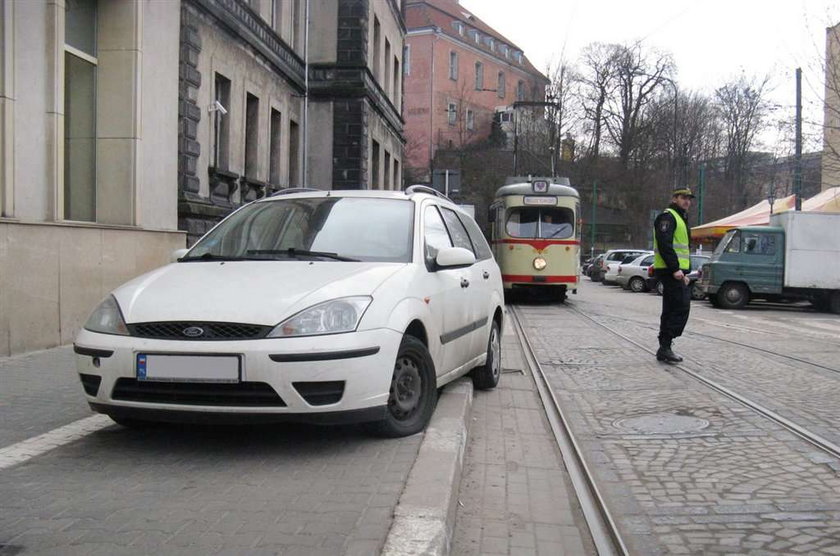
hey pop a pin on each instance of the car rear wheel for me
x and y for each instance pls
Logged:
(659, 287)
(487, 376)
(413, 392)
(637, 284)
(697, 292)
(733, 296)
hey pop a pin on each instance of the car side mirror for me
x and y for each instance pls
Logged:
(454, 257)
(177, 254)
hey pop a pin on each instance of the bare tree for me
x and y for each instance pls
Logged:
(743, 110)
(597, 83)
(831, 132)
(638, 76)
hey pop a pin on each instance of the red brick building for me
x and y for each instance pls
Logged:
(460, 74)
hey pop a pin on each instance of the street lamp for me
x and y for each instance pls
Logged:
(771, 198)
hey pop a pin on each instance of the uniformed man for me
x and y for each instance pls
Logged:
(671, 265)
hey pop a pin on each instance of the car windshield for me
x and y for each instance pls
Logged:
(541, 222)
(335, 228)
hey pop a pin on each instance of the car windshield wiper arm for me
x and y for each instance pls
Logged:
(210, 257)
(292, 252)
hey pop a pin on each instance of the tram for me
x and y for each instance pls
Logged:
(535, 234)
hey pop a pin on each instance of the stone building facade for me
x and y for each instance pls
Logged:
(248, 128)
(130, 127)
(461, 77)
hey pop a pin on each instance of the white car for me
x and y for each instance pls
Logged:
(316, 306)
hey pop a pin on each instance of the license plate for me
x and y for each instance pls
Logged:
(192, 368)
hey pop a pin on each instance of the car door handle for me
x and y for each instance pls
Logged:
(465, 283)
(486, 275)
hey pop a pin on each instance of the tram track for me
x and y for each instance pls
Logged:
(691, 333)
(803, 433)
(602, 527)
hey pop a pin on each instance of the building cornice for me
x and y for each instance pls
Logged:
(246, 24)
(331, 81)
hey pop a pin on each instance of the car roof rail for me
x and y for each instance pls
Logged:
(419, 188)
(290, 190)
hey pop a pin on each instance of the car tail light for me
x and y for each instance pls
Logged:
(619, 269)
(650, 271)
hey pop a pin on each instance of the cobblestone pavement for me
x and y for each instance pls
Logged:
(515, 497)
(699, 473)
(187, 490)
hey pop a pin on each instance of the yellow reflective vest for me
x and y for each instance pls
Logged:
(680, 244)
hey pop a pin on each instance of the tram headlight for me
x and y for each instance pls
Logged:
(539, 263)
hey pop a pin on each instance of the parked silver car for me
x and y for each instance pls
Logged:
(632, 275)
(612, 256)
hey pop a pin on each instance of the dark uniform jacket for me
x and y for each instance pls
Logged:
(664, 227)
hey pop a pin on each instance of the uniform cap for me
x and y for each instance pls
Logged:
(684, 191)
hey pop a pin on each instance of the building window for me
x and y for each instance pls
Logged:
(452, 111)
(275, 147)
(80, 64)
(297, 32)
(376, 32)
(453, 65)
(407, 59)
(500, 85)
(386, 79)
(518, 56)
(491, 44)
(396, 182)
(504, 50)
(252, 135)
(294, 154)
(396, 76)
(476, 36)
(520, 90)
(470, 119)
(275, 15)
(458, 27)
(374, 165)
(387, 171)
(221, 123)
(479, 76)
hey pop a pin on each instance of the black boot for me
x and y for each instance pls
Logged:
(666, 354)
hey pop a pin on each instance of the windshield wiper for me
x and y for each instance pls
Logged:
(295, 253)
(209, 257)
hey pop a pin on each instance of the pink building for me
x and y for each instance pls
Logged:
(460, 75)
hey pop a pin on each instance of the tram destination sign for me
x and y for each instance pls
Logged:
(534, 200)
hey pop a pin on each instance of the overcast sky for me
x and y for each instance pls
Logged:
(712, 41)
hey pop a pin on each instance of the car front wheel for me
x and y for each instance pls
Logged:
(733, 296)
(486, 376)
(413, 392)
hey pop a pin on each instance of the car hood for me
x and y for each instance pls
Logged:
(253, 292)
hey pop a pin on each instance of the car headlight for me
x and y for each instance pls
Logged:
(107, 318)
(331, 317)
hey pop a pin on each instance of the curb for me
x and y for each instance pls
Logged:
(424, 518)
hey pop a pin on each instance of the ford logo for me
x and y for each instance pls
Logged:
(193, 331)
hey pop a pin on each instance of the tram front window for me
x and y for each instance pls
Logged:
(541, 222)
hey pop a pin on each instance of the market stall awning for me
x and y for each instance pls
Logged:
(825, 201)
(756, 215)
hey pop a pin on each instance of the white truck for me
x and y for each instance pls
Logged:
(796, 257)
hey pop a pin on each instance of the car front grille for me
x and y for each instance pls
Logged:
(198, 331)
(242, 394)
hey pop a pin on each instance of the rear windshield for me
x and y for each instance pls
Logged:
(541, 222)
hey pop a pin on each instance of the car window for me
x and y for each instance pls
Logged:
(435, 237)
(356, 228)
(647, 261)
(459, 235)
(482, 249)
(759, 244)
(734, 244)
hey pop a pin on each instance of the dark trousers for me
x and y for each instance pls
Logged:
(676, 304)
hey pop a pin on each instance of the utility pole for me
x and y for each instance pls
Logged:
(797, 170)
(701, 185)
(594, 214)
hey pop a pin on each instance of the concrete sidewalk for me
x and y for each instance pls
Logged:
(515, 496)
